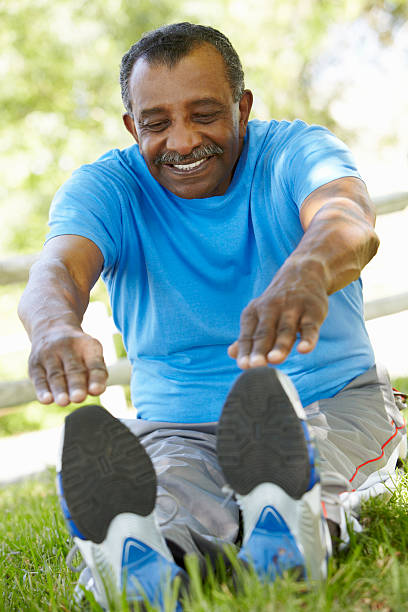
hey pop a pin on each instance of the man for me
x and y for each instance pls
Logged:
(225, 245)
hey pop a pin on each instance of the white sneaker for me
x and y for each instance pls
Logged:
(265, 451)
(107, 487)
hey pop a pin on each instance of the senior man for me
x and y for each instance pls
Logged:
(225, 244)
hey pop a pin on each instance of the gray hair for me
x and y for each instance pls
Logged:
(170, 43)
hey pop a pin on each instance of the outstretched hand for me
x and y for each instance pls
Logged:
(294, 303)
(67, 365)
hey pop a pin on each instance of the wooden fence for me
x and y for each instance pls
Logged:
(15, 270)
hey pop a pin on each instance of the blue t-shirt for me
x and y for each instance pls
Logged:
(179, 272)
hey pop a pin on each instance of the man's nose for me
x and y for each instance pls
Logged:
(183, 138)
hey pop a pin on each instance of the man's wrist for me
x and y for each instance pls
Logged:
(310, 267)
(55, 328)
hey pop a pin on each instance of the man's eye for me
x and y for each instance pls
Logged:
(157, 126)
(205, 117)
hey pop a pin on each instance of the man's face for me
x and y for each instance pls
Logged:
(189, 130)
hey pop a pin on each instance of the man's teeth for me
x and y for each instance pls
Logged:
(187, 167)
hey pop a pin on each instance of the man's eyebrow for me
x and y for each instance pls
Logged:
(149, 112)
(208, 101)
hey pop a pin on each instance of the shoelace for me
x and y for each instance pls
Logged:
(70, 558)
(164, 522)
(75, 548)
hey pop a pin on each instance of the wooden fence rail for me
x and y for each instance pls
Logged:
(391, 203)
(16, 269)
(385, 306)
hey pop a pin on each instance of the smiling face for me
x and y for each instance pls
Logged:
(188, 128)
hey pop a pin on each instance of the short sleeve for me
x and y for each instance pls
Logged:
(314, 157)
(89, 205)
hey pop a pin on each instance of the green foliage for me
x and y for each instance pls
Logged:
(59, 96)
(59, 91)
(35, 416)
(370, 575)
(31, 417)
(401, 384)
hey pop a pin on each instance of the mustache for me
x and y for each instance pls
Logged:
(172, 157)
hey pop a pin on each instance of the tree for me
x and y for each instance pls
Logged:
(60, 97)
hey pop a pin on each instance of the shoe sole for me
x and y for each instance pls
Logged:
(260, 437)
(105, 472)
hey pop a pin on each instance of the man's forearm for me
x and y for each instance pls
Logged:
(65, 364)
(51, 298)
(339, 241)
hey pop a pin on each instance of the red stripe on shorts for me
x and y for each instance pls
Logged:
(382, 451)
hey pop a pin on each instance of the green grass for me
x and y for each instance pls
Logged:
(371, 575)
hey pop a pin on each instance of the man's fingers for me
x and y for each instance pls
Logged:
(290, 307)
(233, 350)
(267, 337)
(49, 381)
(309, 335)
(285, 338)
(42, 389)
(96, 368)
(249, 321)
(85, 370)
(262, 341)
(76, 375)
(65, 369)
(56, 381)
(98, 375)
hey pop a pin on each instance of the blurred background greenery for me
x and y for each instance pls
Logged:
(335, 62)
(60, 97)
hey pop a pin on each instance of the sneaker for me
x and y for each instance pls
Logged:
(267, 457)
(107, 488)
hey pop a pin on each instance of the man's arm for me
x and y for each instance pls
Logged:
(65, 364)
(339, 240)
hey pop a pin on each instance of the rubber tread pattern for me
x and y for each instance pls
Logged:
(260, 438)
(105, 471)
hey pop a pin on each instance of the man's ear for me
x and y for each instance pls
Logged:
(245, 105)
(130, 125)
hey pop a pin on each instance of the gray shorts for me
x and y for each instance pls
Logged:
(359, 434)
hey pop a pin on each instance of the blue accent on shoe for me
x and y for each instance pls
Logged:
(145, 569)
(311, 449)
(72, 528)
(271, 547)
